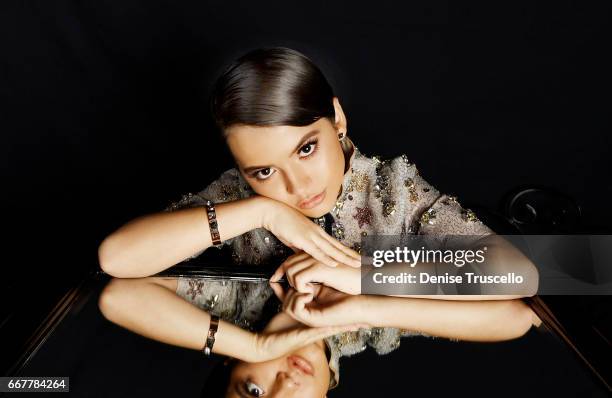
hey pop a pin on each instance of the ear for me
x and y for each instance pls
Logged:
(340, 122)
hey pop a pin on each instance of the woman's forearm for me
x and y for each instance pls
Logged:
(471, 321)
(152, 243)
(158, 313)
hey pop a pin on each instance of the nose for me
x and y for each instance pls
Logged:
(287, 381)
(298, 181)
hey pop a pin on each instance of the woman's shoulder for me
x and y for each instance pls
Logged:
(229, 185)
(390, 166)
(395, 180)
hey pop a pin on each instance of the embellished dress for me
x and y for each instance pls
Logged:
(378, 196)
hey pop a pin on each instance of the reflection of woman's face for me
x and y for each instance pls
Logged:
(303, 373)
(291, 164)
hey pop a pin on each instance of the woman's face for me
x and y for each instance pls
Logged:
(303, 373)
(302, 167)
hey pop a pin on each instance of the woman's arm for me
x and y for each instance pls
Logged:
(155, 311)
(151, 308)
(152, 243)
(471, 321)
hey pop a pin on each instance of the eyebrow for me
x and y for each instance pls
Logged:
(298, 146)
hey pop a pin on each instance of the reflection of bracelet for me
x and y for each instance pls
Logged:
(212, 223)
(210, 336)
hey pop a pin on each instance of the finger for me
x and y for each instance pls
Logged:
(345, 249)
(278, 274)
(336, 253)
(293, 259)
(296, 268)
(296, 308)
(320, 255)
(286, 243)
(299, 256)
(299, 311)
(295, 305)
(303, 280)
(317, 289)
(278, 291)
(288, 301)
(299, 304)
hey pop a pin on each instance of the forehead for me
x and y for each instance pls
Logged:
(254, 145)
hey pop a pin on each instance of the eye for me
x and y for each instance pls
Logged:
(309, 148)
(253, 389)
(263, 173)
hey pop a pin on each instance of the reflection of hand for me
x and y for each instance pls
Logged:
(323, 307)
(299, 233)
(302, 271)
(274, 344)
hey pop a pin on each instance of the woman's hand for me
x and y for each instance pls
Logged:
(274, 344)
(302, 271)
(324, 307)
(299, 233)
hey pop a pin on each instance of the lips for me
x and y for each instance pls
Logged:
(312, 202)
(300, 364)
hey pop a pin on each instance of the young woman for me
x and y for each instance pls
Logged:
(301, 184)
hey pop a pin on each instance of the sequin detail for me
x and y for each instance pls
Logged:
(404, 158)
(211, 302)
(450, 199)
(320, 221)
(338, 230)
(383, 189)
(363, 216)
(359, 182)
(428, 217)
(337, 210)
(469, 215)
(195, 288)
(186, 199)
(413, 196)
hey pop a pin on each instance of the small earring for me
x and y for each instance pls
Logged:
(341, 136)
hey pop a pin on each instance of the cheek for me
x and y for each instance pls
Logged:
(330, 164)
(315, 389)
(270, 189)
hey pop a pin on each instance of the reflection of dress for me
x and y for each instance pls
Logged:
(383, 197)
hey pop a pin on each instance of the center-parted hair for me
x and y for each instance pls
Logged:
(271, 87)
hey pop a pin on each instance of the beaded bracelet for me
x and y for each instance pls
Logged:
(212, 223)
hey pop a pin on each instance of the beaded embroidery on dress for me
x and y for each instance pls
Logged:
(378, 196)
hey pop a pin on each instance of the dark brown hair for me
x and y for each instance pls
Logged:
(274, 86)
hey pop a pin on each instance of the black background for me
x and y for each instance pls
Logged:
(103, 112)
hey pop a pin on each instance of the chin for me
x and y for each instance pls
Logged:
(318, 211)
